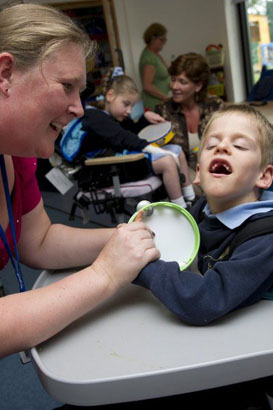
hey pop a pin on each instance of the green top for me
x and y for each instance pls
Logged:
(161, 78)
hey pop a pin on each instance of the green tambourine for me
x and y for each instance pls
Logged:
(176, 232)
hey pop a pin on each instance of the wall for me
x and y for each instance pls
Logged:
(234, 65)
(191, 24)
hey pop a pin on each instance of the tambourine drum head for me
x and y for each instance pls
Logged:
(157, 134)
(176, 232)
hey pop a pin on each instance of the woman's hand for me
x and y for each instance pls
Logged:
(153, 118)
(130, 248)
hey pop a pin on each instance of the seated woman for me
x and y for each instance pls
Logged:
(108, 127)
(189, 109)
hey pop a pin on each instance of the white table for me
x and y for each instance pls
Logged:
(266, 110)
(132, 348)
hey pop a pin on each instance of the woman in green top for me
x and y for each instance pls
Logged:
(152, 67)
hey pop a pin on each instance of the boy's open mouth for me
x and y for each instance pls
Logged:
(220, 166)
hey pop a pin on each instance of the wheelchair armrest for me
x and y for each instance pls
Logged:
(114, 159)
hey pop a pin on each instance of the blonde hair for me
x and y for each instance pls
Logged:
(264, 128)
(32, 32)
(121, 84)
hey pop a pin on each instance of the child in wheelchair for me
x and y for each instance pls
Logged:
(108, 130)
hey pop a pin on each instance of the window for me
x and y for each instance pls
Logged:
(257, 32)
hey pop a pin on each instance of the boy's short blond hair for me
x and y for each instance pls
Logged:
(264, 127)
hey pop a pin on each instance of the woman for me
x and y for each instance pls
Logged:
(153, 68)
(42, 73)
(189, 109)
(109, 128)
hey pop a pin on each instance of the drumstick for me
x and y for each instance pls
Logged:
(139, 219)
(139, 216)
(148, 211)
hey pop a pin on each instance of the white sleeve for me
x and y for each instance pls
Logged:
(151, 149)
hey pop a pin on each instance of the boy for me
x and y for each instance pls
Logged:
(234, 168)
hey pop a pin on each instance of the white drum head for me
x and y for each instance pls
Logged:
(176, 232)
(157, 133)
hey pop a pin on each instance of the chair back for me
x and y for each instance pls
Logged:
(263, 89)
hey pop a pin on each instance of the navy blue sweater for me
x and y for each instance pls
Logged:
(103, 131)
(223, 286)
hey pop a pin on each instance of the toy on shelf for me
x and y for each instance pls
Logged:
(215, 59)
(215, 55)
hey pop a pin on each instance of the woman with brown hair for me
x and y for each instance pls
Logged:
(189, 108)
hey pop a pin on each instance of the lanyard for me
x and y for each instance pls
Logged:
(16, 266)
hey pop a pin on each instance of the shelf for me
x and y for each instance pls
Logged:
(216, 66)
(99, 20)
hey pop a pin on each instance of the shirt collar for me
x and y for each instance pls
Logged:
(176, 108)
(234, 217)
(91, 107)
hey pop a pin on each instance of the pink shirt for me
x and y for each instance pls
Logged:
(25, 197)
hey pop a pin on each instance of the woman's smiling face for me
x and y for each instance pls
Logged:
(183, 89)
(44, 99)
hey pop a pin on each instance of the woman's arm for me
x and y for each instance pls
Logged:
(31, 317)
(153, 117)
(54, 246)
(148, 74)
(148, 118)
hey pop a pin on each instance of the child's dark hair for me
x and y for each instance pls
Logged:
(121, 84)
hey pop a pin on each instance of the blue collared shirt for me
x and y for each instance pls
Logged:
(234, 217)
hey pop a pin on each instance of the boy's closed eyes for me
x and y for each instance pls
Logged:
(243, 143)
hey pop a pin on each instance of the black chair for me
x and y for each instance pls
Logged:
(114, 185)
